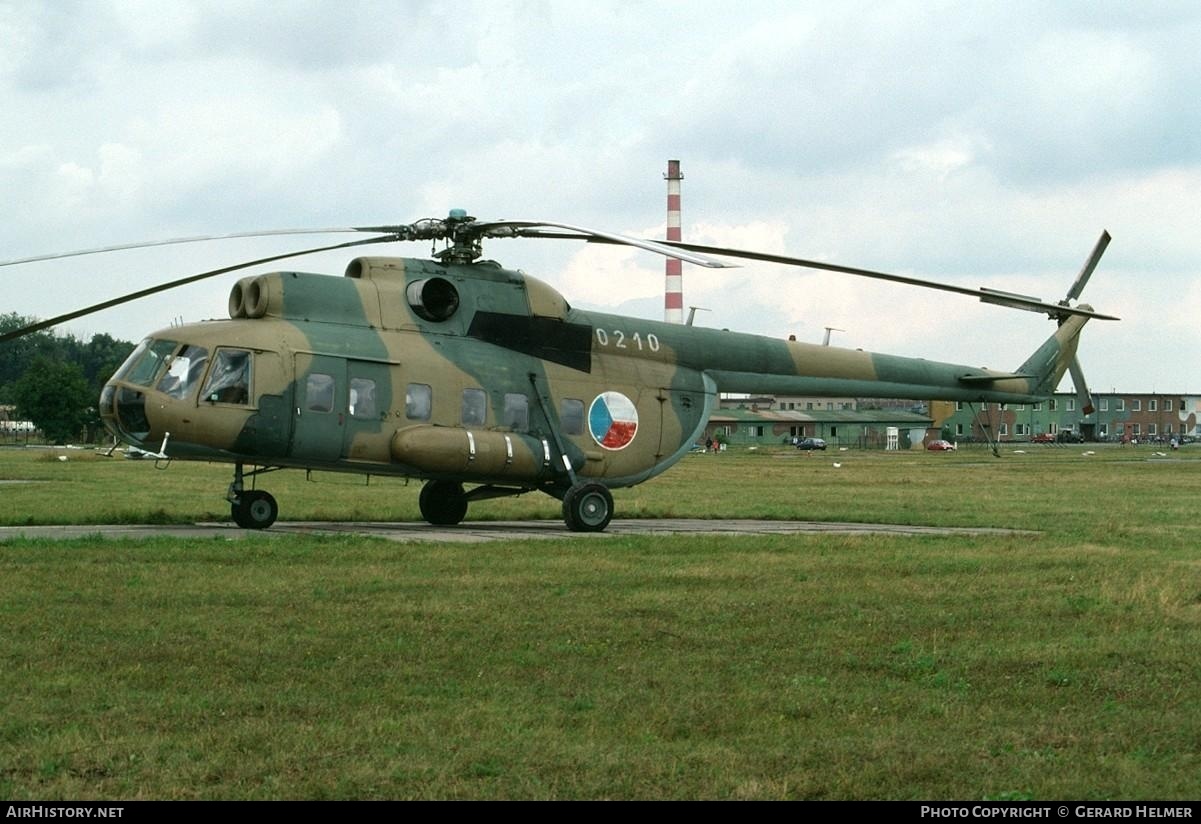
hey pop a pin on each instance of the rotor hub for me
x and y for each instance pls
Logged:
(465, 245)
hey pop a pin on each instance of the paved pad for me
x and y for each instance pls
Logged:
(481, 531)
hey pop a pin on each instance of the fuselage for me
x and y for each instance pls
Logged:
(474, 372)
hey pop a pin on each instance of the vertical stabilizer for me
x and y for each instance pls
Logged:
(1050, 361)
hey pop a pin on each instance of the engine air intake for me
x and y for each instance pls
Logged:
(433, 299)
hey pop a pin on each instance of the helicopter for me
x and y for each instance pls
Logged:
(484, 381)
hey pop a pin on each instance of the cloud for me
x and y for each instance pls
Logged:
(986, 146)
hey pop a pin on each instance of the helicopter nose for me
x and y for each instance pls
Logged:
(123, 411)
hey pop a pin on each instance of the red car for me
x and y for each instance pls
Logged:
(1045, 437)
(940, 446)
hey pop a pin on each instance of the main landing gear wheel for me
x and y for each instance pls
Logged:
(587, 507)
(254, 510)
(443, 503)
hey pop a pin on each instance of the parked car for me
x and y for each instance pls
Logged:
(1044, 437)
(940, 446)
(811, 443)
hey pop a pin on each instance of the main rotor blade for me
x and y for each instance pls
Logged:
(1086, 398)
(529, 228)
(1027, 303)
(1089, 266)
(163, 287)
(194, 239)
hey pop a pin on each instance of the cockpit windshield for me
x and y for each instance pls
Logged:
(142, 366)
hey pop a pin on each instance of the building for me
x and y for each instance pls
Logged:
(9, 425)
(1153, 416)
(760, 425)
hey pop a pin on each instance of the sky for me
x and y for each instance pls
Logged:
(981, 144)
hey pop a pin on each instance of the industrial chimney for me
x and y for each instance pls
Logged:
(673, 293)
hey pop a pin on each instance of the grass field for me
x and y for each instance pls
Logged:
(1067, 665)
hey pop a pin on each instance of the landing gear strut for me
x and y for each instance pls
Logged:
(251, 509)
(587, 506)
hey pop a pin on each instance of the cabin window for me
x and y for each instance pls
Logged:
(145, 361)
(229, 379)
(1167, 405)
(362, 398)
(475, 407)
(1102, 430)
(1152, 429)
(1152, 405)
(517, 412)
(959, 429)
(571, 416)
(1104, 404)
(419, 399)
(183, 371)
(319, 393)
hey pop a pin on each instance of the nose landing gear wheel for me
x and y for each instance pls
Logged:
(587, 507)
(254, 510)
(443, 503)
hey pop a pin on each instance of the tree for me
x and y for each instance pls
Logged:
(56, 397)
(16, 356)
(100, 358)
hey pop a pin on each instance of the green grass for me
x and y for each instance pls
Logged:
(1060, 666)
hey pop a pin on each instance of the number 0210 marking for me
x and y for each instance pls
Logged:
(651, 341)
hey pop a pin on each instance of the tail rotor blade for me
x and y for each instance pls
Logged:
(1089, 266)
(1082, 393)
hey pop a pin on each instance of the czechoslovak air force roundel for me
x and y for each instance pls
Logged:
(612, 420)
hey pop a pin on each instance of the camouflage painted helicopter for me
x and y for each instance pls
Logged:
(484, 381)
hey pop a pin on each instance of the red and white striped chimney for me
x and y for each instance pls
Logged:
(673, 295)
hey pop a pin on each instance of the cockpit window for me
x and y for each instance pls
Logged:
(183, 371)
(141, 366)
(229, 379)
